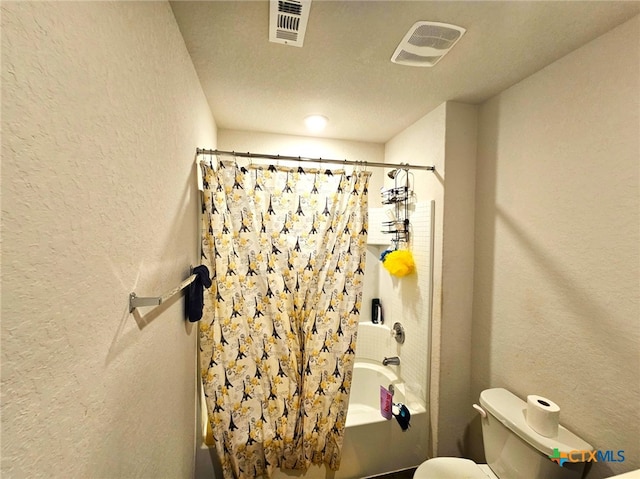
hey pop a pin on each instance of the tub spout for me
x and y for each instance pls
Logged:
(395, 361)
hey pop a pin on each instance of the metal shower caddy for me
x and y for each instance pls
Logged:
(398, 196)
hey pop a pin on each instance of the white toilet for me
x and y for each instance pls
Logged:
(513, 450)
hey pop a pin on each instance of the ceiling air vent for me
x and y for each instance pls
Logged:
(288, 21)
(426, 43)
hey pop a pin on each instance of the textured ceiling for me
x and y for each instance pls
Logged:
(344, 72)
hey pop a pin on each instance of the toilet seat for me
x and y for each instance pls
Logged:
(453, 468)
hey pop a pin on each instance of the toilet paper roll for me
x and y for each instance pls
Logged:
(543, 415)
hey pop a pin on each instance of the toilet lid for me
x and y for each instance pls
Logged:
(449, 468)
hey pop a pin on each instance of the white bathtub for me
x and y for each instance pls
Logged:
(372, 444)
(364, 401)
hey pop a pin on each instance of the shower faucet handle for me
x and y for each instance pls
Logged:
(397, 332)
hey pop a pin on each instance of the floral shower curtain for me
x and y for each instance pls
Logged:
(286, 250)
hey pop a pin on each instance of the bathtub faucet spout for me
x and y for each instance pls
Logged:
(395, 361)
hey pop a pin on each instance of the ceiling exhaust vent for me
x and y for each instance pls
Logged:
(288, 21)
(426, 43)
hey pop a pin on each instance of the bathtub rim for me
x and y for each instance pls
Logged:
(414, 402)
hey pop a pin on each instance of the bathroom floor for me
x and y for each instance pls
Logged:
(406, 474)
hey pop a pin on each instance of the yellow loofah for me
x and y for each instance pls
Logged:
(399, 263)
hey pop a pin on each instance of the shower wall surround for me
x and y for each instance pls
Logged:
(405, 300)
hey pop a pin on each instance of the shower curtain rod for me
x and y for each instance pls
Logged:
(404, 166)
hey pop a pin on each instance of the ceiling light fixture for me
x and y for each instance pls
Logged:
(316, 123)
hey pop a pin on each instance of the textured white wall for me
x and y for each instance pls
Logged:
(556, 299)
(457, 278)
(101, 115)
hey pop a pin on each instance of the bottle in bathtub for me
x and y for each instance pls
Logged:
(376, 311)
(386, 402)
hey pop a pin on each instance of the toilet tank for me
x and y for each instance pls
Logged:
(515, 451)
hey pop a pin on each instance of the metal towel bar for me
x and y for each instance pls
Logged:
(136, 301)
